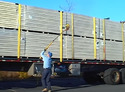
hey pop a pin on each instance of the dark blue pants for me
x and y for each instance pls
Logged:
(46, 80)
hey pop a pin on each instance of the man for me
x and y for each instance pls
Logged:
(46, 81)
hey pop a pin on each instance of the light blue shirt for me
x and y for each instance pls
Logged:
(46, 60)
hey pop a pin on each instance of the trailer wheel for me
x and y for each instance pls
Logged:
(112, 76)
(122, 71)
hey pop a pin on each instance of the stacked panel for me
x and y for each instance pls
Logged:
(8, 42)
(83, 25)
(38, 19)
(41, 26)
(113, 30)
(8, 15)
(67, 47)
(99, 49)
(123, 45)
(67, 20)
(83, 48)
(23, 43)
(113, 50)
(36, 42)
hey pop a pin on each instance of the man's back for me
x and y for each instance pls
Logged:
(47, 60)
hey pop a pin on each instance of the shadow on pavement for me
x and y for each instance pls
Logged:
(27, 83)
(71, 83)
(64, 83)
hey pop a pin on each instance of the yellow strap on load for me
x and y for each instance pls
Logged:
(61, 36)
(19, 29)
(104, 48)
(72, 20)
(123, 41)
(94, 34)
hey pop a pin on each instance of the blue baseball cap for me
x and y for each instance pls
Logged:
(50, 54)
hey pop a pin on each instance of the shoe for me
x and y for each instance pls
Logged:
(45, 90)
(49, 90)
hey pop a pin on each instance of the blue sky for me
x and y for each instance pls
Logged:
(115, 9)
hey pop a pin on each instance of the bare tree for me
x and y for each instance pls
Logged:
(68, 7)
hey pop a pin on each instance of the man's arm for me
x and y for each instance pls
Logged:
(42, 53)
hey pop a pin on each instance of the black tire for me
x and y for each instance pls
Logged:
(112, 76)
(122, 72)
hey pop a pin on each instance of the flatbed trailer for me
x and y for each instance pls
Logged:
(92, 71)
(92, 48)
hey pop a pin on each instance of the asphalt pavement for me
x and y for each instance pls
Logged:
(73, 84)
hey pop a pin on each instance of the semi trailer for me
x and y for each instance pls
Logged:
(92, 47)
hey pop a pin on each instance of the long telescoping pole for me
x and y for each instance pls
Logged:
(66, 29)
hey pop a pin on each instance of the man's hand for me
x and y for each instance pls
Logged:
(44, 49)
